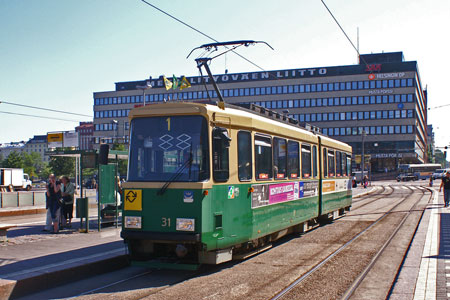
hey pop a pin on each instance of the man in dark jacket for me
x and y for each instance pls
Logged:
(446, 184)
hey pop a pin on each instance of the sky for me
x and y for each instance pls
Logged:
(55, 54)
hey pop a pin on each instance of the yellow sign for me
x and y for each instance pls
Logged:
(54, 137)
(328, 186)
(133, 200)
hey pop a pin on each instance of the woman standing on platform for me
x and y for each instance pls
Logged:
(54, 203)
(68, 190)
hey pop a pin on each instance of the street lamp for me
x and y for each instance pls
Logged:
(116, 127)
(363, 134)
(144, 88)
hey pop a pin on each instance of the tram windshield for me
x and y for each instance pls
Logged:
(169, 148)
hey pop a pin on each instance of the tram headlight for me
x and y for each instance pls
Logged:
(185, 224)
(133, 222)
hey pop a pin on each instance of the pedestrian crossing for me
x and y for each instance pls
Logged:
(409, 187)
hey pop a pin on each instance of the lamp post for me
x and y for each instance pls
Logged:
(115, 125)
(363, 134)
(144, 88)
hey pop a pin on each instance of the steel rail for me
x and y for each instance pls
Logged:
(350, 291)
(336, 252)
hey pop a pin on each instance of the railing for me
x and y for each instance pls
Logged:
(20, 199)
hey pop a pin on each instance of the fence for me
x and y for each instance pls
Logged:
(19, 199)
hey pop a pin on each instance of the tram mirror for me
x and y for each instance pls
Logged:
(220, 133)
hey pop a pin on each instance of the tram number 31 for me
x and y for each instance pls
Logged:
(165, 222)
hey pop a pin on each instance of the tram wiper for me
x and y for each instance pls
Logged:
(175, 176)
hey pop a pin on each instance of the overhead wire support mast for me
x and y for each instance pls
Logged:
(203, 62)
(343, 31)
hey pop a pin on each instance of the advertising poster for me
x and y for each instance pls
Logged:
(267, 194)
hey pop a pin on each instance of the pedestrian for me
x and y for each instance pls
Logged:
(431, 180)
(365, 181)
(48, 219)
(67, 192)
(446, 184)
(54, 195)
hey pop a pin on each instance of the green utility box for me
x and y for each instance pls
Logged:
(82, 207)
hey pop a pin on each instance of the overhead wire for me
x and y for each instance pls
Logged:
(200, 32)
(36, 116)
(43, 108)
(429, 108)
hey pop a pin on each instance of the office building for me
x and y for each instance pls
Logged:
(380, 101)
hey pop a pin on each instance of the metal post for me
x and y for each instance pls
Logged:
(144, 88)
(117, 190)
(362, 156)
(143, 96)
(98, 197)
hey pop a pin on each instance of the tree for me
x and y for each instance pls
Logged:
(62, 165)
(123, 163)
(45, 171)
(14, 160)
(33, 163)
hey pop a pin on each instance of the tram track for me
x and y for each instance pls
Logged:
(284, 294)
(370, 200)
(282, 265)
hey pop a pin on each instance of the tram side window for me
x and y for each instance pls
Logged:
(349, 164)
(344, 165)
(306, 161)
(325, 163)
(331, 167)
(314, 157)
(244, 155)
(338, 164)
(220, 144)
(293, 159)
(279, 158)
(263, 157)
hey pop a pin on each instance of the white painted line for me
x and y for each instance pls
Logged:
(91, 217)
(67, 262)
(426, 281)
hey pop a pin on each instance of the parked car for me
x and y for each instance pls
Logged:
(407, 177)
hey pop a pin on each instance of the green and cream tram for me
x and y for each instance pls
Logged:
(206, 183)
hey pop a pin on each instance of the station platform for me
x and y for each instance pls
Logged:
(32, 260)
(425, 273)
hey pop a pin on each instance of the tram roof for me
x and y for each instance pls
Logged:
(278, 124)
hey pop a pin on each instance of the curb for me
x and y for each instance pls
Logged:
(372, 190)
(57, 276)
(21, 211)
